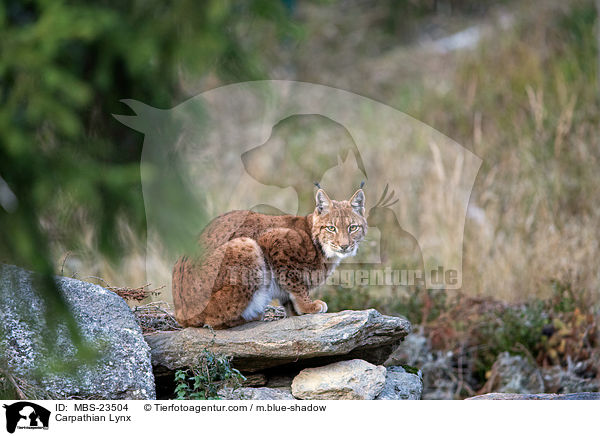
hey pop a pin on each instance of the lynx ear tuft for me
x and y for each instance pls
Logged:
(323, 202)
(358, 202)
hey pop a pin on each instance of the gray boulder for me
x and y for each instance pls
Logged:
(307, 340)
(439, 380)
(509, 396)
(123, 370)
(564, 381)
(401, 385)
(515, 374)
(348, 380)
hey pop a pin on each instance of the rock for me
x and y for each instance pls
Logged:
(280, 381)
(123, 370)
(401, 385)
(347, 380)
(508, 396)
(514, 374)
(439, 381)
(255, 380)
(254, 394)
(303, 340)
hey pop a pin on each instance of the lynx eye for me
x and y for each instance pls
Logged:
(353, 228)
(331, 229)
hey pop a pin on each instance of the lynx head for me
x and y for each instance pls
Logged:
(339, 226)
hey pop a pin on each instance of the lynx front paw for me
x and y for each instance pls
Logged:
(320, 306)
(302, 306)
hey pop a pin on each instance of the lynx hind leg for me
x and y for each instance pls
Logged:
(191, 290)
(241, 276)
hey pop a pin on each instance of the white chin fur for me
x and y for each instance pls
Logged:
(329, 252)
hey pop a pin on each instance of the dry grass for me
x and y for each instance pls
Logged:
(537, 120)
(524, 100)
(156, 316)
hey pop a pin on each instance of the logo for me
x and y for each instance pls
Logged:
(26, 415)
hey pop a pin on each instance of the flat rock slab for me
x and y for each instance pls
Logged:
(348, 380)
(319, 338)
(574, 396)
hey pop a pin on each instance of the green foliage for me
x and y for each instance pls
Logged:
(64, 68)
(67, 168)
(578, 48)
(543, 330)
(564, 299)
(517, 330)
(7, 392)
(203, 381)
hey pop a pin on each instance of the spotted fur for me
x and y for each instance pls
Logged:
(248, 259)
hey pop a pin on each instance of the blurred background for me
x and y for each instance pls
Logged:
(515, 82)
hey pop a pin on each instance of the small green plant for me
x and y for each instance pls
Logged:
(203, 381)
(517, 330)
(410, 369)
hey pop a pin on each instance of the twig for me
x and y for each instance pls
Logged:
(128, 293)
(152, 317)
(62, 268)
(13, 382)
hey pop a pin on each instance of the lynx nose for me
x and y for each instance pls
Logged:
(344, 247)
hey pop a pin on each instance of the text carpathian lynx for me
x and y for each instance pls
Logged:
(247, 259)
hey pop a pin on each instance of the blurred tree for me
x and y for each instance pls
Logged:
(65, 163)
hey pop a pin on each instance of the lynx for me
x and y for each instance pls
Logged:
(248, 259)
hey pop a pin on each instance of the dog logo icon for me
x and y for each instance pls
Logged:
(26, 415)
